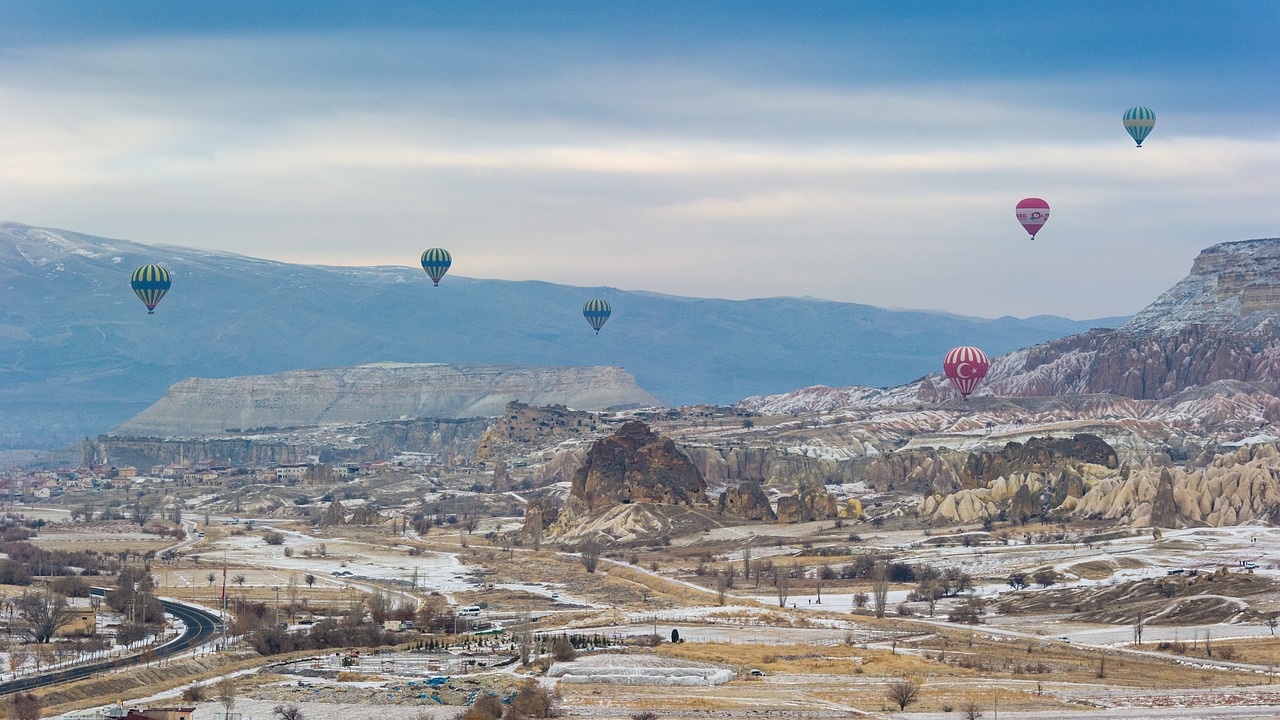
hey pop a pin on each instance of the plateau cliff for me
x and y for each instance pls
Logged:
(1217, 324)
(380, 391)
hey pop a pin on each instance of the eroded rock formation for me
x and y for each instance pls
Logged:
(747, 501)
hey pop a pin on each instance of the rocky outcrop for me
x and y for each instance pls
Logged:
(773, 466)
(1040, 454)
(632, 484)
(636, 465)
(1237, 487)
(524, 426)
(335, 514)
(365, 515)
(1164, 506)
(809, 503)
(747, 501)
(377, 392)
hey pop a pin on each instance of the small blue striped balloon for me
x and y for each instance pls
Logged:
(1139, 120)
(597, 312)
(150, 283)
(436, 262)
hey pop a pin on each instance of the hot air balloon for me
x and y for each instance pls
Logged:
(1032, 213)
(1138, 121)
(596, 312)
(965, 367)
(150, 283)
(436, 262)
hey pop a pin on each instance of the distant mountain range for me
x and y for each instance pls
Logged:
(79, 355)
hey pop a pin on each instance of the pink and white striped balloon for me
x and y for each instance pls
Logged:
(965, 367)
(1032, 213)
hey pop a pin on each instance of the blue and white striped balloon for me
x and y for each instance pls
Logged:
(1138, 121)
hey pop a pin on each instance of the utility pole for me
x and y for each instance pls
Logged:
(277, 589)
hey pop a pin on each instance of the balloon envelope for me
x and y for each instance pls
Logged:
(150, 283)
(1032, 213)
(596, 312)
(436, 262)
(965, 367)
(1138, 121)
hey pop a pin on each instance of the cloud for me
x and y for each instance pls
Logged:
(581, 167)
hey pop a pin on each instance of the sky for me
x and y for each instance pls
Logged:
(867, 152)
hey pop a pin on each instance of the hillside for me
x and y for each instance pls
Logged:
(1218, 324)
(370, 393)
(79, 355)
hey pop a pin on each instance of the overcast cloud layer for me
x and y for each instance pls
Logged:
(859, 152)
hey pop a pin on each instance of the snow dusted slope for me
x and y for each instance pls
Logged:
(1233, 285)
(1217, 324)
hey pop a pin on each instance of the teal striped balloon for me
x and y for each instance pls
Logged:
(150, 283)
(436, 262)
(597, 312)
(1138, 121)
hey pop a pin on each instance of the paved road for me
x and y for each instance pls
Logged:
(201, 627)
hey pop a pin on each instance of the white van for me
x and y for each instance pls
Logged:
(469, 611)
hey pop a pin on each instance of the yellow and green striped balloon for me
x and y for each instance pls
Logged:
(150, 283)
(597, 312)
(436, 262)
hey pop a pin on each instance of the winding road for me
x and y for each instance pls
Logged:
(201, 626)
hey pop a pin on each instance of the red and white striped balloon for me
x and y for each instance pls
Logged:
(965, 367)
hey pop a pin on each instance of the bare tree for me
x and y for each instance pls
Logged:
(859, 600)
(210, 577)
(288, 712)
(746, 562)
(903, 693)
(239, 579)
(522, 634)
(589, 552)
(1137, 628)
(143, 512)
(225, 692)
(1272, 620)
(309, 580)
(880, 587)
(44, 614)
(722, 587)
(971, 710)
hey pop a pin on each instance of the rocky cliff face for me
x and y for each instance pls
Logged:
(1041, 454)
(747, 501)
(1236, 487)
(344, 443)
(1234, 286)
(381, 391)
(1217, 324)
(636, 465)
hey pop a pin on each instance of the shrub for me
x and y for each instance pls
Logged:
(273, 537)
(532, 701)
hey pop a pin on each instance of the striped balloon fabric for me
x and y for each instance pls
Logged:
(596, 312)
(150, 283)
(1138, 121)
(1032, 213)
(965, 367)
(436, 262)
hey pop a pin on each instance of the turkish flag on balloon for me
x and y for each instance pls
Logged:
(965, 367)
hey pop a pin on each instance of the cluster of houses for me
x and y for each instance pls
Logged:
(45, 484)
